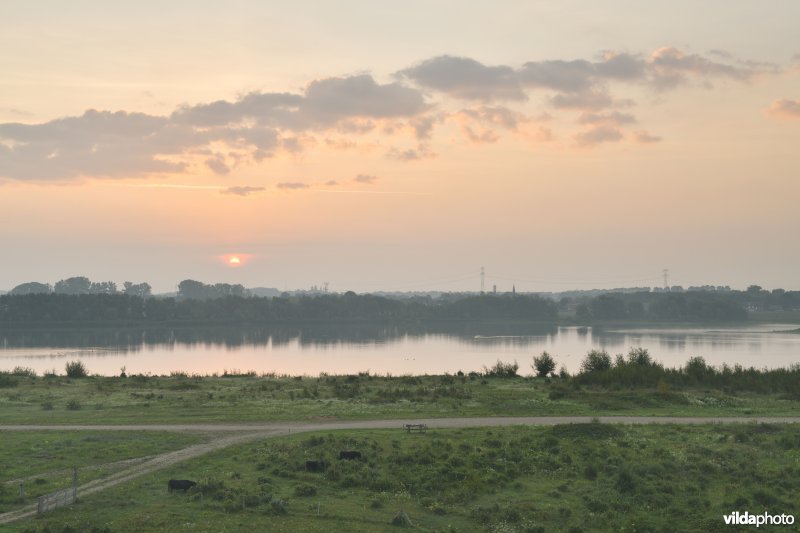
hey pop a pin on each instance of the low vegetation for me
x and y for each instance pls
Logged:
(37, 463)
(632, 385)
(564, 478)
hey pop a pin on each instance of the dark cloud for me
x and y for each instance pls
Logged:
(292, 185)
(466, 78)
(331, 183)
(365, 178)
(243, 190)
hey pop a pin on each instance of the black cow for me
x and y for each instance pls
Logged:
(180, 484)
(315, 466)
(349, 455)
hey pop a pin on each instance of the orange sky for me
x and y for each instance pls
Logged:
(400, 148)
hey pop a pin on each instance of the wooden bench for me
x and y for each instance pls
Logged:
(419, 428)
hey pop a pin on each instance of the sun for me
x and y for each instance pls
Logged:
(234, 260)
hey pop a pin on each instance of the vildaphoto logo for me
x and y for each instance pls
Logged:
(765, 519)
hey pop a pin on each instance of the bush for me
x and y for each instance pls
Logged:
(76, 369)
(596, 361)
(73, 405)
(639, 356)
(544, 365)
(501, 370)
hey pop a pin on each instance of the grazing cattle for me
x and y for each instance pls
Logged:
(349, 455)
(180, 484)
(315, 466)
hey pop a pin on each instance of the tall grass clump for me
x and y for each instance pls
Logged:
(76, 369)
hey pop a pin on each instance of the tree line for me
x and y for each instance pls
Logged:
(120, 307)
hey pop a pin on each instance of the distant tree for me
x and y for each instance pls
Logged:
(191, 289)
(544, 365)
(74, 285)
(596, 361)
(754, 289)
(142, 290)
(32, 287)
(608, 307)
(583, 312)
(103, 287)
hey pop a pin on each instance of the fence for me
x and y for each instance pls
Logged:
(59, 498)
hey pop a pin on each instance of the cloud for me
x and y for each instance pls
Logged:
(785, 108)
(422, 151)
(599, 134)
(669, 67)
(224, 134)
(292, 185)
(466, 78)
(331, 183)
(643, 137)
(254, 127)
(612, 118)
(593, 100)
(365, 178)
(243, 190)
(218, 164)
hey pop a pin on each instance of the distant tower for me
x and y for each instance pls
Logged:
(483, 275)
(666, 279)
(513, 289)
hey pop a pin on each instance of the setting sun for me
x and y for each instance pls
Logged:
(234, 261)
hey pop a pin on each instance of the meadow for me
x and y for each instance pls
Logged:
(246, 397)
(577, 477)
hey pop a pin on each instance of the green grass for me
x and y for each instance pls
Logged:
(582, 477)
(30, 400)
(43, 460)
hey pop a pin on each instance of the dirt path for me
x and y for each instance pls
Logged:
(239, 433)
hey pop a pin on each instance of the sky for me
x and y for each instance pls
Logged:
(401, 146)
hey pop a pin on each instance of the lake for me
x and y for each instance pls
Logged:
(339, 349)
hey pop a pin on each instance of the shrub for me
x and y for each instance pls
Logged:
(76, 369)
(73, 405)
(639, 356)
(501, 370)
(24, 372)
(544, 365)
(596, 361)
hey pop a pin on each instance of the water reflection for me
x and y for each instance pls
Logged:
(412, 348)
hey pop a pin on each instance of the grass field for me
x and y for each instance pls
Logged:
(43, 461)
(185, 399)
(583, 477)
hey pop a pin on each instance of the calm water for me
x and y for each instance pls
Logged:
(340, 350)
